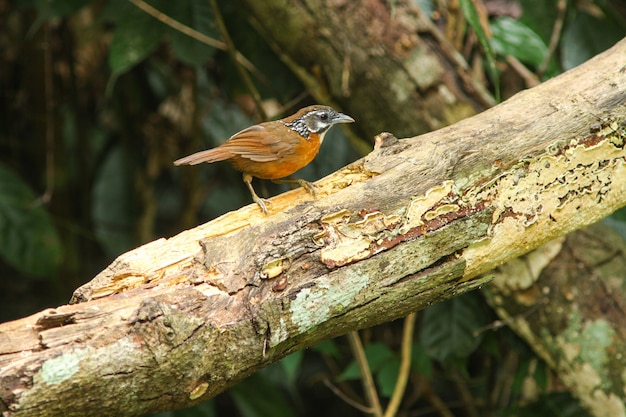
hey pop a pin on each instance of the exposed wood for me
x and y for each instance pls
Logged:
(419, 220)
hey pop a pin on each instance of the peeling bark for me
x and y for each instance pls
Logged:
(179, 320)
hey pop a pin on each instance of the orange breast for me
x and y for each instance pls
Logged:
(301, 153)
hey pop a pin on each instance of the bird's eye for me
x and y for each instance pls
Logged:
(324, 116)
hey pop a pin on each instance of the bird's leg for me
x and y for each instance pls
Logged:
(308, 186)
(247, 178)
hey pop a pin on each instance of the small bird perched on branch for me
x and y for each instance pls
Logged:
(274, 150)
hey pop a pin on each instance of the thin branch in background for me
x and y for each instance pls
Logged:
(446, 43)
(154, 12)
(530, 79)
(405, 366)
(297, 99)
(561, 7)
(496, 324)
(467, 397)
(232, 51)
(503, 390)
(199, 36)
(366, 374)
(439, 405)
(347, 399)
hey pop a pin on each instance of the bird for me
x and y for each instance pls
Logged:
(276, 149)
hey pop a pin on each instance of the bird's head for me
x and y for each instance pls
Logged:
(316, 119)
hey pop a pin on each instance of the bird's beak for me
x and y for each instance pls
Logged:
(342, 118)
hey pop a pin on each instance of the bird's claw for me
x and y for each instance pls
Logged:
(262, 203)
(309, 187)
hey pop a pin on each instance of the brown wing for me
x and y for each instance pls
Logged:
(257, 144)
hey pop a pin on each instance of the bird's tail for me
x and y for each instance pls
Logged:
(210, 155)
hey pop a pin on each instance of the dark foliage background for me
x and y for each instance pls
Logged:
(99, 97)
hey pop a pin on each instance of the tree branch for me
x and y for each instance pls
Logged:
(179, 320)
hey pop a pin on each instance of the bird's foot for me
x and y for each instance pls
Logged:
(309, 187)
(262, 203)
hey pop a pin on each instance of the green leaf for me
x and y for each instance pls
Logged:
(28, 239)
(377, 355)
(197, 15)
(520, 376)
(420, 361)
(541, 375)
(448, 328)
(291, 365)
(351, 373)
(136, 36)
(387, 376)
(512, 37)
(471, 14)
(138, 33)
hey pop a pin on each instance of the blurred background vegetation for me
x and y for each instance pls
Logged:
(98, 99)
